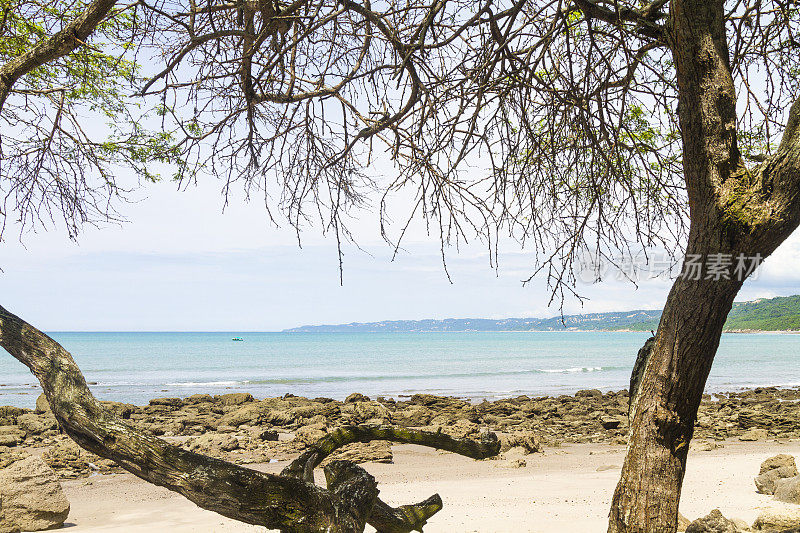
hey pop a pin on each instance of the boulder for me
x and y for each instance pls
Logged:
(32, 499)
(6, 526)
(777, 462)
(267, 435)
(754, 434)
(235, 398)
(307, 435)
(781, 519)
(194, 399)
(379, 451)
(11, 436)
(713, 523)
(610, 422)
(36, 424)
(213, 444)
(122, 410)
(528, 441)
(168, 402)
(788, 490)
(703, 446)
(413, 416)
(356, 397)
(42, 405)
(255, 414)
(773, 469)
(68, 458)
(360, 412)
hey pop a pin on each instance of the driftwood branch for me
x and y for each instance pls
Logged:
(303, 467)
(385, 518)
(289, 502)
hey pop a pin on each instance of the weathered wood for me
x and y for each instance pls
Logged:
(384, 518)
(637, 373)
(303, 467)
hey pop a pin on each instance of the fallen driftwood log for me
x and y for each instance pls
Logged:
(289, 502)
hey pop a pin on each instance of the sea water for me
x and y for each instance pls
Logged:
(135, 367)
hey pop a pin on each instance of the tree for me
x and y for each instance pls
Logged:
(577, 127)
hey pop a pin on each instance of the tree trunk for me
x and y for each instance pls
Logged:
(665, 409)
(733, 210)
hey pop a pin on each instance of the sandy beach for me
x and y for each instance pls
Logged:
(563, 489)
(558, 463)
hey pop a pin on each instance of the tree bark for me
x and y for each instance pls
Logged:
(733, 210)
(646, 499)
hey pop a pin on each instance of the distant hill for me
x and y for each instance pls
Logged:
(774, 314)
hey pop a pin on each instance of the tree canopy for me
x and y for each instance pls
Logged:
(553, 122)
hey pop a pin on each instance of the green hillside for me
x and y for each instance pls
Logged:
(765, 314)
(781, 313)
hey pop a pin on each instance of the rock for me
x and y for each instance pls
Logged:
(122, 410)
(229, 444)
(788, 490)
(169, 402)
(610, 422)
(704, 446)
(683, 522)
(194, 399)
(528, 441)
(5, 524)
(773, 469)
(356, 397)
(518, 463)
(235, 398)
(11, 436)
(438, 402)
(461, 429)
(310, 434)
(778, 519)
(66, 457)
(413, 416)
(765, 483)
(360, 412)
(777, 462)
(32, 498)
(257, 413)
(754, 434)
(379, 451)
(590, 393)
(36, 424)
(42, 405)
(713, 523)
(213, 444)
(268, 435)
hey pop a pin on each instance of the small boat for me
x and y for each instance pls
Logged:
(238, 339)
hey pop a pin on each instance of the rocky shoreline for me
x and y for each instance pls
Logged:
(239, 428)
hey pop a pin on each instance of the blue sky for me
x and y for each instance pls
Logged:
(181, 264)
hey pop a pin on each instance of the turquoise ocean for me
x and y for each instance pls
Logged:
(135, 367)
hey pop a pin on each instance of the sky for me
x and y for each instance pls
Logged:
(181, 263)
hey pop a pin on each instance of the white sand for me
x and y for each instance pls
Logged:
(565, 489)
